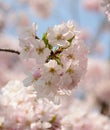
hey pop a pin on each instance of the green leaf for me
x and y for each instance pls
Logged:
(44, 38)
(53, 119)
(58, 60)
(70, 40)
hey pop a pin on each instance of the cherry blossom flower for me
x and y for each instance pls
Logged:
(28, 32)
(86, 121)
(32, 77)
(40, 51)
(19, 20)
(106, 5)
(40, 7)
(102, 91)
(26, 40)
(93, 5)
(62, 61)
(20, 109)
(96, 83)
(48, 84)
(80, 116)
(26, 48)
(60, 34)
(85, 34)
(97, 71)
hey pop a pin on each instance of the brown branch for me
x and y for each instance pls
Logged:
(10, 50)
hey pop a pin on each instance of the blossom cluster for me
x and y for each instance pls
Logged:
(82, 114)
(40, 7)
(96, 84)
(93, 5)
(61, 59)
(106, 5)
(21, 110)
(86, 121)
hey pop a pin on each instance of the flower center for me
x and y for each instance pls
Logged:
(59, 37)
(39, 50)
(26, 48)
(70, 56)
(48, 83)
(70, 70)
(52, 70)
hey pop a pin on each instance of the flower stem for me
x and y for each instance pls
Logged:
(10, 50)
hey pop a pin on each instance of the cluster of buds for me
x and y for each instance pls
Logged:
(61, 59)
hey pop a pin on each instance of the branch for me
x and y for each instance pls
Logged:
(10, 50)
(104, 107)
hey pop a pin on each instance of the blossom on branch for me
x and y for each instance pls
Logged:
(61, 57)
(21, 110)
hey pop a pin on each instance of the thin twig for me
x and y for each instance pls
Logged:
(10, 50)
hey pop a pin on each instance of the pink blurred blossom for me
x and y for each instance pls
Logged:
(99, 48)
(92, 5)
(86, 121)
(106, 5)
(18, 20)
(84, 35)
(102, 91)
(10, 63)
(42, 8)
(26, 111)
(97, 71)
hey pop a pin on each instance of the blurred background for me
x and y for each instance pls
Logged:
(87, 15)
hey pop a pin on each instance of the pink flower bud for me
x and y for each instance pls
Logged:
(36, 74)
